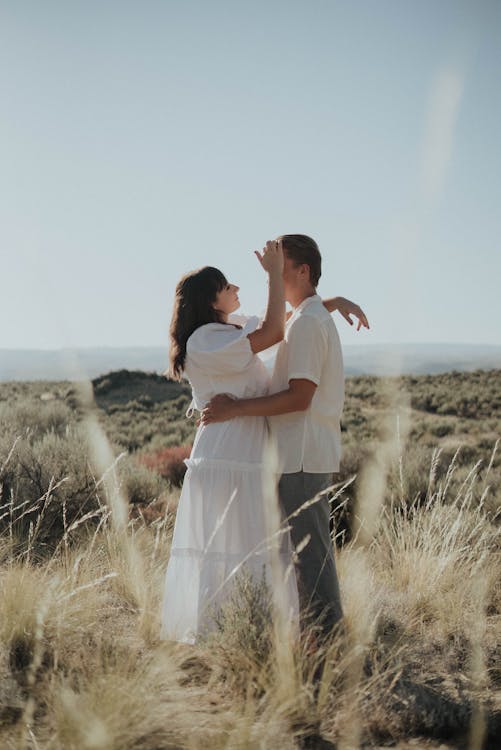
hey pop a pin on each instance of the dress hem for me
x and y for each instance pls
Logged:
(222, 463)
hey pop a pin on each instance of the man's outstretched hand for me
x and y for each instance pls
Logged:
(219, 409)
(348, 308)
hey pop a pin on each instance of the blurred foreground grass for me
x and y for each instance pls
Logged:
(85, 534)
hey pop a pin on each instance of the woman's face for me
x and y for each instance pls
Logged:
(227, 299)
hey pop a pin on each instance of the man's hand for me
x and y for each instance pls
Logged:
(347, 308)
(219, 409)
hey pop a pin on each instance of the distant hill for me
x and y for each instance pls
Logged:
(419, 359)
(372, 359)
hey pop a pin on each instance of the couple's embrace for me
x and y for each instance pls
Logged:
(222, 524)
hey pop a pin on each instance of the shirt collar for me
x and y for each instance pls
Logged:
(307, 301)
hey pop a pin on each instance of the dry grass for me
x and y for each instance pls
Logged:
(82, 666)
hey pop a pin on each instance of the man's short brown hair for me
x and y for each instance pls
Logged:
(302, 249)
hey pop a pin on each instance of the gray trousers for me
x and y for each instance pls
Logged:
(318, 585)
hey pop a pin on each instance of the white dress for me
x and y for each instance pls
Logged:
(222, 526)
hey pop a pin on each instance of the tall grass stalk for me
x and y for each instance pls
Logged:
(478, 670)
(373, 476)
(285, 627)
(369, 501)
(129, 564)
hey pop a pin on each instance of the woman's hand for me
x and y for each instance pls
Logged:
(272, 256)
(347, 308)
(273, 325)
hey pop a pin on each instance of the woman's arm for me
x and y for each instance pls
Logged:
(273, 325)
(346, 308)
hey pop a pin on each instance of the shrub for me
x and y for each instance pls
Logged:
(141, 484)
(34, 419)
(46, 479)
(240, 628)
(46, 485)
(168, 462)
(441, 429)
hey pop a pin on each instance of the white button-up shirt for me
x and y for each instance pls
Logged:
(310, 440)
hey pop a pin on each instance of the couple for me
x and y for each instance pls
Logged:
(222, 522)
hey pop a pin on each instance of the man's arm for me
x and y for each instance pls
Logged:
(307, 347)
(297, 397)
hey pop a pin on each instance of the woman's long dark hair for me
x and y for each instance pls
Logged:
(195, 295)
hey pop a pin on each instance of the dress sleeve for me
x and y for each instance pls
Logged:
(237, 319)
(307, 349)
(220, 349)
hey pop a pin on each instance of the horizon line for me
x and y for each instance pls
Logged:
(87, 347)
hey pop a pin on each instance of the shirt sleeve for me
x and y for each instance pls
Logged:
(307, 349)
(220, 349)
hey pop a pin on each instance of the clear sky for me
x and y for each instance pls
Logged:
(140, 140)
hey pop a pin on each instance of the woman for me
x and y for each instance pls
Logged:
(222, 525)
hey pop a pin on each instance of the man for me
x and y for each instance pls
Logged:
(304, 410)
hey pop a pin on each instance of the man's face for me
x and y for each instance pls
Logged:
(293, 276)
